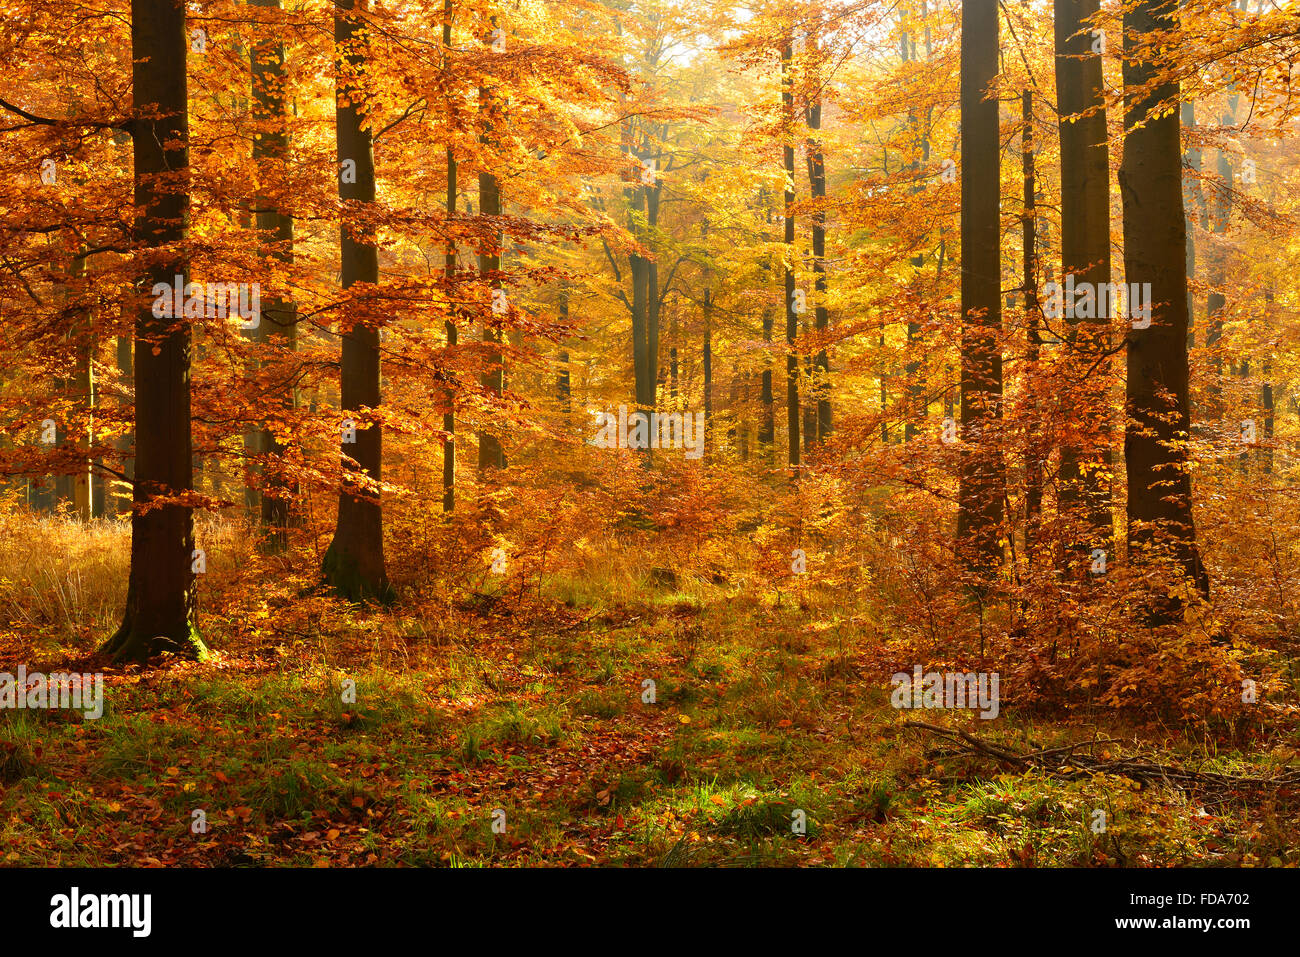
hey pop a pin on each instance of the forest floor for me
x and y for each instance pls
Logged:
(763, 716)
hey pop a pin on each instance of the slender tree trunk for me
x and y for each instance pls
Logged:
(491, 454)
(639, 266)
(821, 315)
(653, 300)
(279, 319)
(1193, 200)
(1086, 459)
(639, 269)
(1219, 210)
(767, 428)
(354, 562)
(672, 362)
(981, 492)
(791, 317)
(449, 273)
(125, 443)
(83, 484)
(1266, 390)
(809, 406)
(1035, 450)
(912, 368)
(160, 601)
(1155, 245)
(563, 390)
(708, 363)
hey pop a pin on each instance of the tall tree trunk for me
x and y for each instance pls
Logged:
(279, 319)
(767, 428)
(1266, 390)
(653, 300)
(125, 443)
(1193, 200)
(1035, 448)
(639, 268)
(160, 600)
(563, 383)
(791, 317)
(809, 406)
(1155, 244)
(1219, 211)
(983, 483)
(708, 364)
(354, 562)
(83, 387)
(491, 454)
(912, 368)
(821, 315)
(449, 272)
(563, 389)
(672, 362)
(1086, 458)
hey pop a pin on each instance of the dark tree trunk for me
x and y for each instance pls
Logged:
(1086, 459)
(672, 362)
(1193, 200)
(912, 369)
(491, 454)
(1035, 448)
(791, 317)
(983, 482)
(80, 487)
(449, 272)
(279, 319)
(354, 562)
(821, 316)
(1219, 211)
(1155, 244)
(1266, 391)
(160, 600)
(767, 428)
(563, 389)
(708, 364)
(125, 443)
(653, 301)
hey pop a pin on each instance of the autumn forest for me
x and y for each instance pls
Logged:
(634, 432)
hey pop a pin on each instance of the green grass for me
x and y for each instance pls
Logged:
(760, 720)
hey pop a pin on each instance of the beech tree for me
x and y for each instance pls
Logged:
(354, 562)
(160, 600)
(983, 481)
(1159, 510)
(1085, 255)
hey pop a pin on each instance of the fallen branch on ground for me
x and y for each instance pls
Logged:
(1069, 762)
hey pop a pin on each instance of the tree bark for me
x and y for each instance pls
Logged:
(791, 317)
(279, 319)
(354, 562)
(160, 601)
(1160, 521)
(821, 315)
(982, 488)
(1086, 457)
(1035, 447)
(449, 273)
